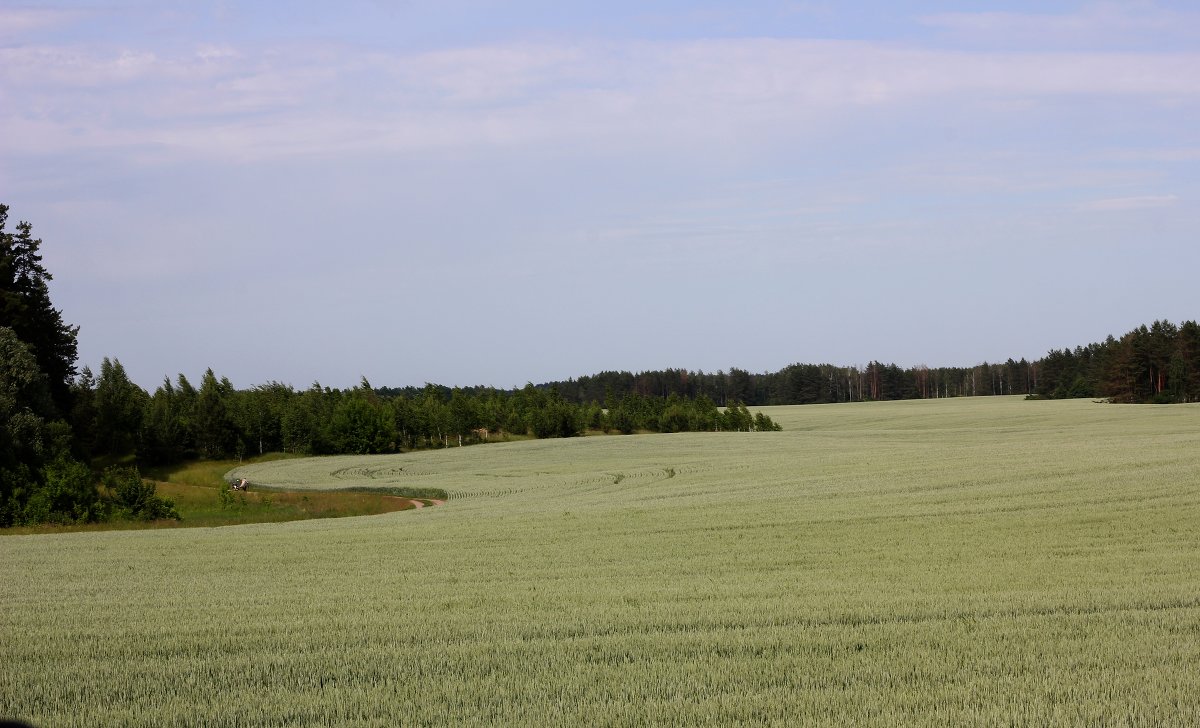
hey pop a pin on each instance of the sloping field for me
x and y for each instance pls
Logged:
(952, 562)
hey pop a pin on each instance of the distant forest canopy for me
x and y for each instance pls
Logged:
(113, 416)
(1158, 364)
(181, 421)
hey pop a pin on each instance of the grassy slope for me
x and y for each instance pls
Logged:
(193, 488)
(931, 562)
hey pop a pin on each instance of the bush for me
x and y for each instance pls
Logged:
(763, 423)
(228, 500)
(68, 495)
(621, 420)
(673, 419)
(135, 498)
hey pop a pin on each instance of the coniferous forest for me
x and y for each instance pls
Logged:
(1156, 364)
(57, 421)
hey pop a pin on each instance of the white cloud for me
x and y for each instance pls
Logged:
(240, 103)
(1141, 202)
(488, 74)
(216, 53)
(15, 22)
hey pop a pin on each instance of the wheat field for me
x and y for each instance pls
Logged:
(984, 561)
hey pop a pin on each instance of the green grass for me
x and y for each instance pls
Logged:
(204, 473)
(194, 488)
(954, 562)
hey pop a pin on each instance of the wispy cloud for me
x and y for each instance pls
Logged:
(15, 22)
(1141, 202)
(290, 100)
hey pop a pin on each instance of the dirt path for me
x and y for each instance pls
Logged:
(421, 503)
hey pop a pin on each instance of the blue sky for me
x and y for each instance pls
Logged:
(495, 193)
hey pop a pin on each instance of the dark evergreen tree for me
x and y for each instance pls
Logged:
(83, 414)
(1187, 361)
(120, 406)
(165, 436)
(738, 387)
(25, 307)
(214, 426)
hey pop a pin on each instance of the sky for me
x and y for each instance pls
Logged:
(478, 192)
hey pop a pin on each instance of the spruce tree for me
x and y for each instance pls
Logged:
(25, 307)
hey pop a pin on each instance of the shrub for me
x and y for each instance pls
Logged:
(135, 498)
(68, 495)
(228, 499)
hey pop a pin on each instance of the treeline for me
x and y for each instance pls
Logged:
(113, 416)
(1158, 364)
(809, 383)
